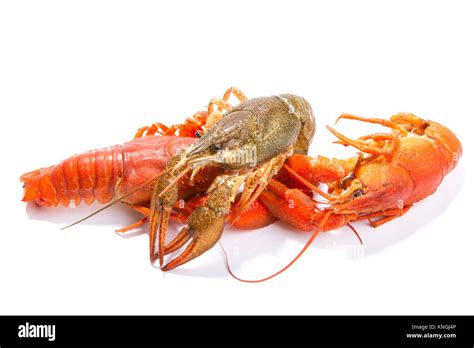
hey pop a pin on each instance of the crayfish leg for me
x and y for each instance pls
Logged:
(133, 226)
(360, 144)
(258, 180)
(254, 217)
(296, 209)
(153, 129)
(380, 121)
(215, 116)
(387, 215)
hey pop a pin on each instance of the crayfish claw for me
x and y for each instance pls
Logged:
(164, 198)
(178, 241)
(158, 223)
(205, 229)
(206, 223)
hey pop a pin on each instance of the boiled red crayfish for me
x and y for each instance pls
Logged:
(193, 172)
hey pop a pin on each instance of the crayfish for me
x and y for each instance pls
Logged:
(246, 165)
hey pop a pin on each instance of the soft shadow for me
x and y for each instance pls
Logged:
(377, 239)
(244, 246)
(208, 271)
(118, 215)
(420, 215)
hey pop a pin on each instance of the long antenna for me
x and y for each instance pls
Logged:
(323, 222)
(116, 200)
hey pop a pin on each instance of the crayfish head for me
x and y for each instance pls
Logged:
(411, 123)
(376, 187)
(230, 144)
(229, 156)
(449, 146)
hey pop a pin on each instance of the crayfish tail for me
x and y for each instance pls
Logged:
(85, 177)
(38, 187)
(30, 182)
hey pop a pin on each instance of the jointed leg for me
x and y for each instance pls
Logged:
(320, 169)
(387, 215)
(381, 121)
(236, 92)
(130, 227)
(298, 210)
(142, 210)
(375, 137)
(365, 147)
(256, 181)
(384, 141)
(215, 116)
(151, 130)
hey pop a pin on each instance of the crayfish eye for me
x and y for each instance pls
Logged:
(357, 193)
(198, 134)
(216, 147)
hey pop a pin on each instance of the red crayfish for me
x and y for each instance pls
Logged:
(248, 165)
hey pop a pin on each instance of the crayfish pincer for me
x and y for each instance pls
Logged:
(249, 143)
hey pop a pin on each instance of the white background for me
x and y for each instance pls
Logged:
(78, 75)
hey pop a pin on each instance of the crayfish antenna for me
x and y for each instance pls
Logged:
(306, 246)
(356, 233)
(115, 201)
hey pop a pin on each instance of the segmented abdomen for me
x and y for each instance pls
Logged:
(101, 174)
(87, 176)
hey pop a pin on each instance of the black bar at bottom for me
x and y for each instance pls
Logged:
(192, 330)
